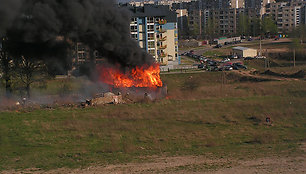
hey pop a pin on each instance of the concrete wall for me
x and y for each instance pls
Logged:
(250, 53)
(245, 53)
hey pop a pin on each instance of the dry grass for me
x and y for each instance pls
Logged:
(225, 122)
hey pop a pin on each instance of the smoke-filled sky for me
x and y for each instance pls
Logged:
(131, 0)
(33, 27)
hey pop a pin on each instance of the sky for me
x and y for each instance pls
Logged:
(129, 0)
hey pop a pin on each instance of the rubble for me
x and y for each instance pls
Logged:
(105, 98)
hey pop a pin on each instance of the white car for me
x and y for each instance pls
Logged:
(260, 57)
(234, 57)
(226, 59)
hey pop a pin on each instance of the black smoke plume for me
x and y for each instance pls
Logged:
(46, 29)
(9, 9)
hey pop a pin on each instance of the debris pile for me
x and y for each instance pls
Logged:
(105, 98)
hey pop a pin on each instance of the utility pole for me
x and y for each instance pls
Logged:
(294, 57)
(200, 17)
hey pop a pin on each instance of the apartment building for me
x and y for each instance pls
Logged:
(288, 15)
(141, 3)
(155, 29)
(83, 54)
(199, 13)
(259, 5)
(225, 21)
(182, 22)
(303, 15)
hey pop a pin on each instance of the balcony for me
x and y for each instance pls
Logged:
(163, 38)
(161, 47)
(162, 30)
(162, 55)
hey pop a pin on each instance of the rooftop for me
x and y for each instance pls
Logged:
(242, 48)
(153, 11)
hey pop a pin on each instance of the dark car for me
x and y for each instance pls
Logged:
(218, 46)
(201, 66)
(249, 58)
(212, 68)
(226, 68)
(211, 63)
(238, 66)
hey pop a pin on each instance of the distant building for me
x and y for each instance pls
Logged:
(259, 5)
(83, 54)
(226, 20)
(155, 29)
(182, 21)
(288, 15)
(224, 13)
(303, 15)
(244, 52)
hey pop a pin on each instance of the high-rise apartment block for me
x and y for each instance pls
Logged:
(155, 29)
(288, 15)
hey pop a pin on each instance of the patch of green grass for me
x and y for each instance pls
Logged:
(187, 61)
(213, 53)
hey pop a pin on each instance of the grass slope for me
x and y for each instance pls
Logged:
(202, 117)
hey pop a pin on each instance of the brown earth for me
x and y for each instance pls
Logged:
(195, 165)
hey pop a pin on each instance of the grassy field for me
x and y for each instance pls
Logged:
(201, 116)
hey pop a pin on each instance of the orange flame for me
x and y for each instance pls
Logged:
(144, 76)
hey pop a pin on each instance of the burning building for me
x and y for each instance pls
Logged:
(155, 30)
(98, 28)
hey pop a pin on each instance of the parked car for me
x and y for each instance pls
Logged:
(226, 68)
(238, 66)
(260, 57)
(225, 60)
(202, 58)
(201, 66)
(218, 46)
(212, 68)
(212, 63)
(249, 58)
(228, 63)
(234, 57)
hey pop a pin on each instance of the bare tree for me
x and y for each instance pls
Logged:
(6, 69)
(29, 71)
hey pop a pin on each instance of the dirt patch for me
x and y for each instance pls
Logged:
(196, 164)
(299, 74)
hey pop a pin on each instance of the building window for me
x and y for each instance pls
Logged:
(150, 20)
(152, 52)
(134, 21)
(150, 27)
(150, 36)
(151, 44)
(134, 36)
(133, 28)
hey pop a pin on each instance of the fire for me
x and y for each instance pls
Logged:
(143, 76)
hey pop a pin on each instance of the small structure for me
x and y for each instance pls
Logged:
(244, 52)
(223, 40)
